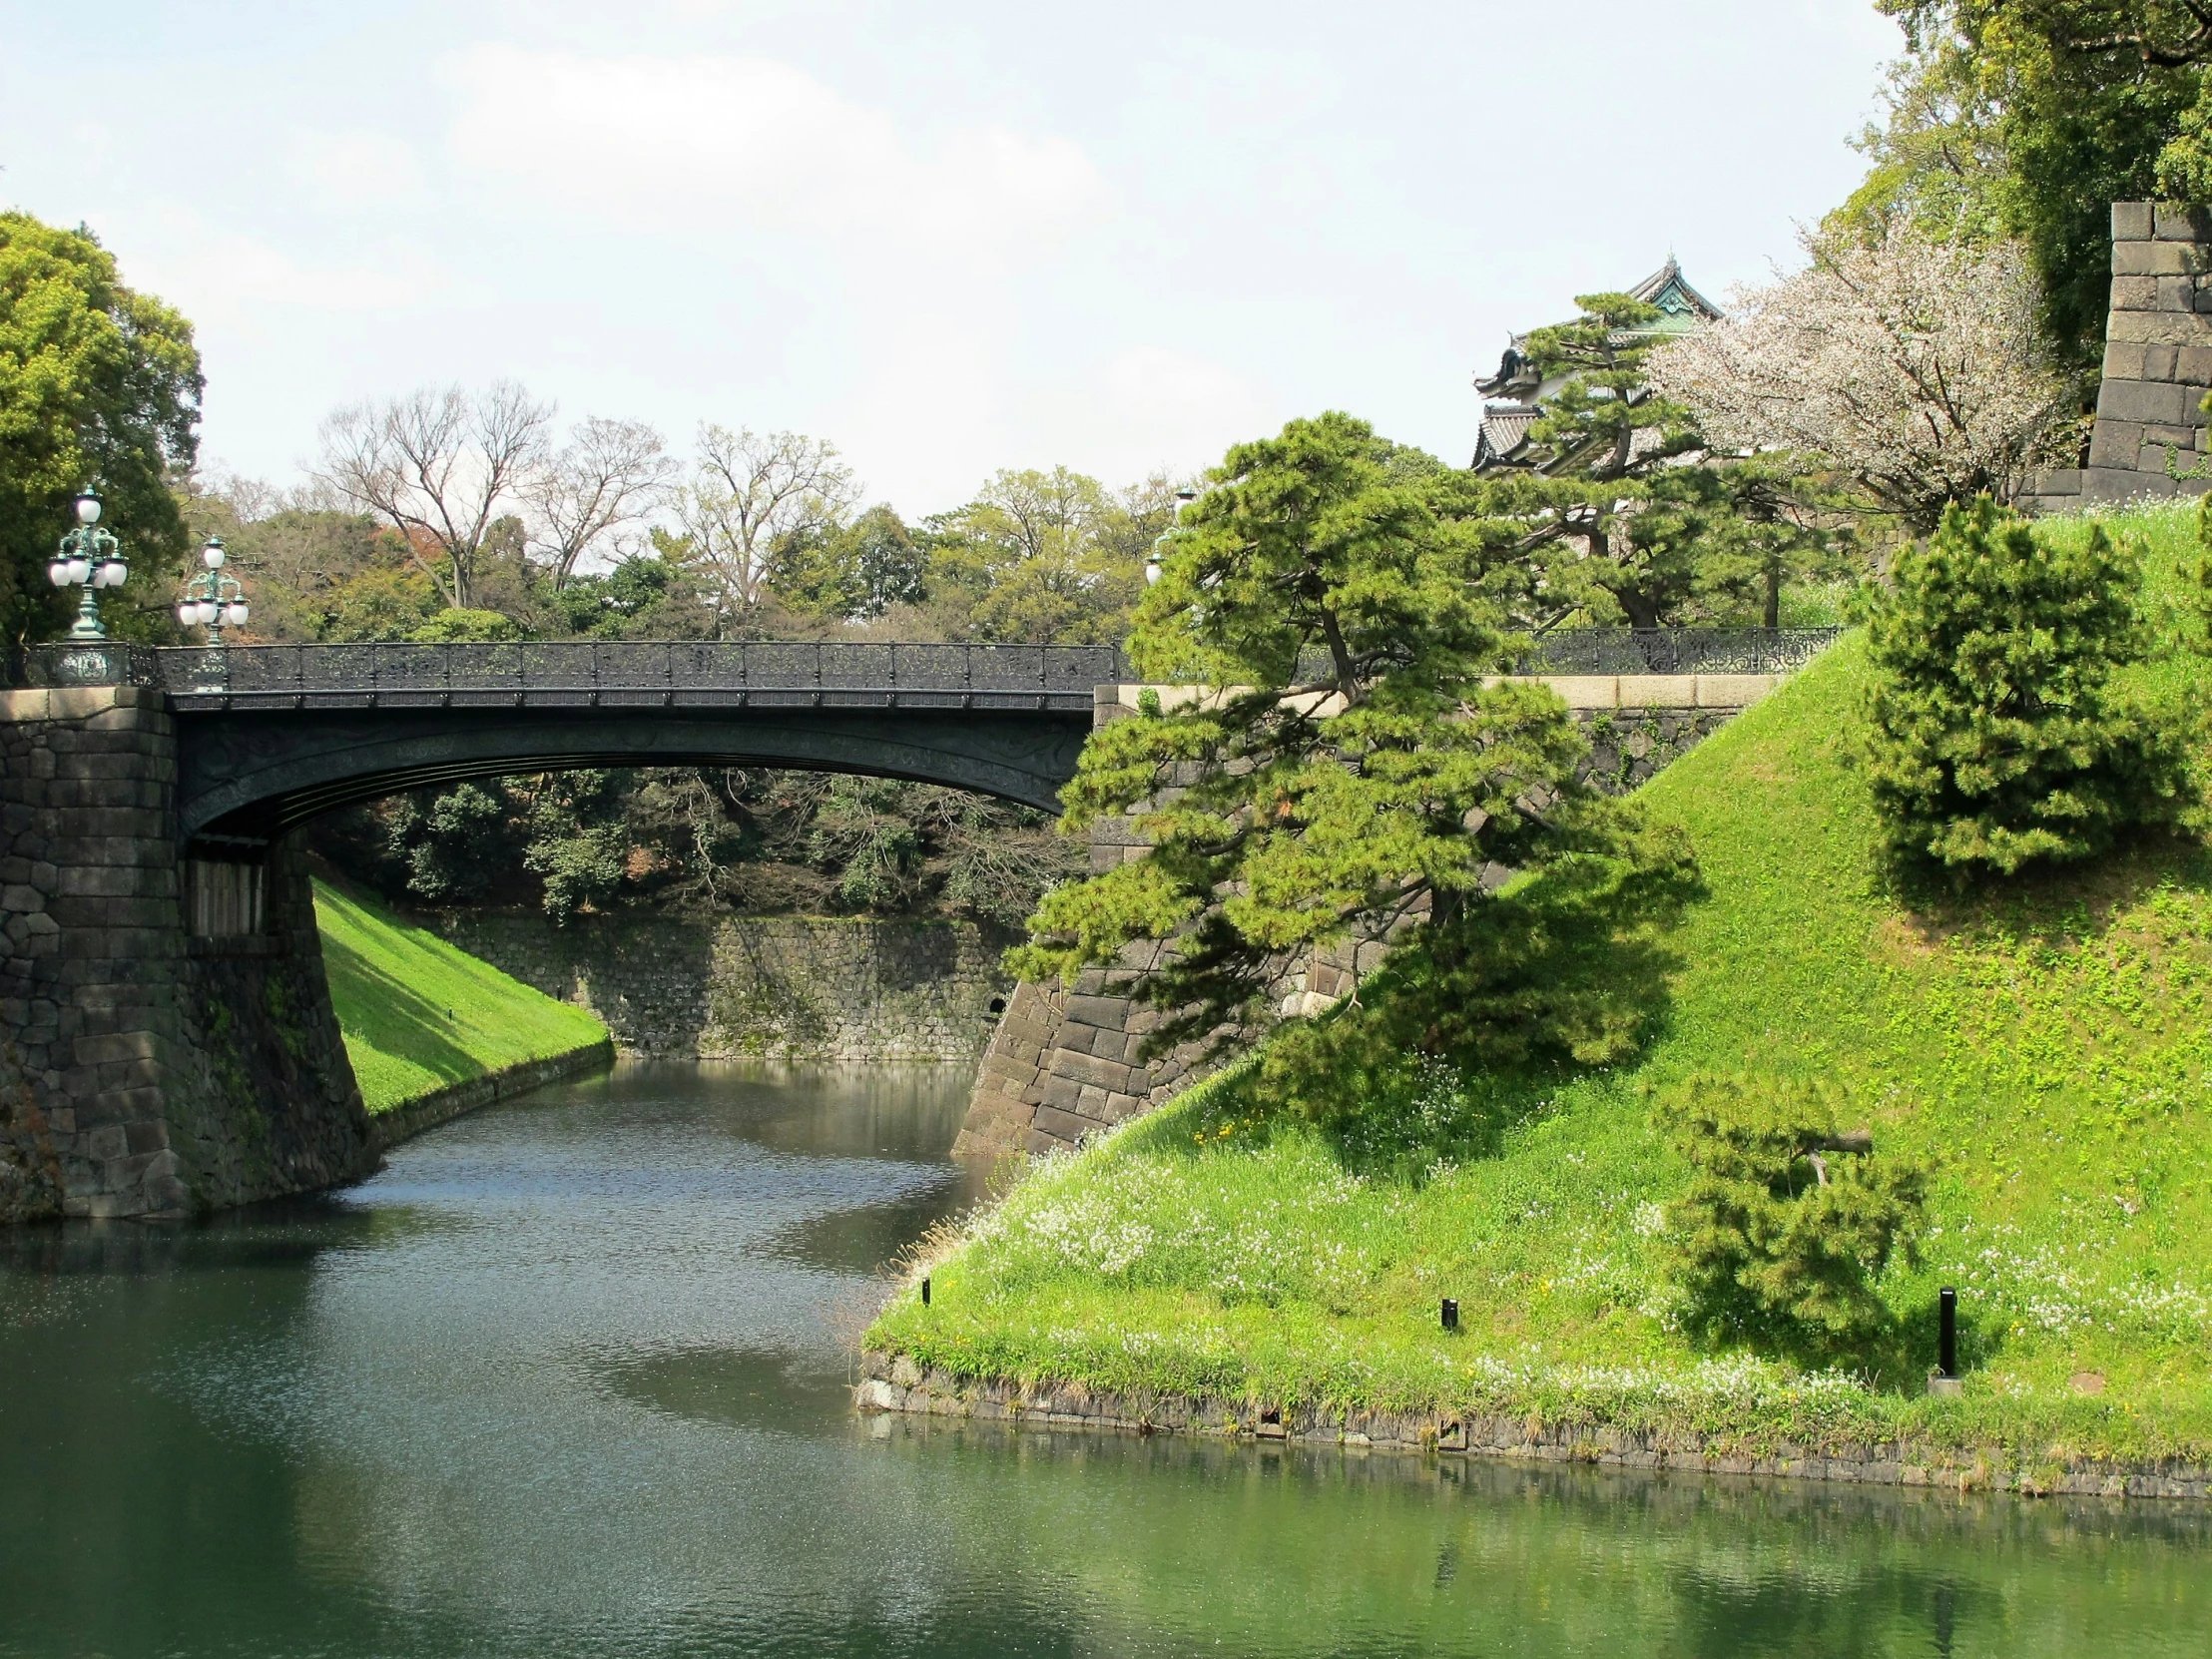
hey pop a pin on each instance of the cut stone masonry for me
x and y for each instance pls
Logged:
(2150, 424)
(144, 1071)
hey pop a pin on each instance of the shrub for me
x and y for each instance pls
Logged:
(1787, 1220)
(1995, 739)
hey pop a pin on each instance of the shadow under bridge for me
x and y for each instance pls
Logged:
(271, 736)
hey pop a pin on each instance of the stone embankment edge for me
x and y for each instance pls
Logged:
(426, 1111)
(894, 1383)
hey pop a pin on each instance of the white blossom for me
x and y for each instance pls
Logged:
(1912, 367)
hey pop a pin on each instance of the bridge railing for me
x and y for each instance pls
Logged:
(1676, 650)
(768, 674)
(644, 673)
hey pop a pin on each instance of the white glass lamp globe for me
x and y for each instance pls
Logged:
(234, 613)
(211, 555)
(207, 610)
(188, 613)
(110, 573)
(79, 569)
(57, 573)
(88, 509)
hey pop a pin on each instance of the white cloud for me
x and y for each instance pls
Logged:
(355, 169)
(945, 410)
(210, 272)
(645, 137)
(1148, 408)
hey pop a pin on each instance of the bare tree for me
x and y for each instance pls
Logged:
(437, 465)
(610, 473)
(1914, 367)
(747, 491)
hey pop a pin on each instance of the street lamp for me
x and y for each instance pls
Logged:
(213, 600)
(88, 558)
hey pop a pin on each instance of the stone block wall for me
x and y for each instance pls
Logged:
(793, 987)
(2157, 366)
(143, 1070)
(1065, 1063)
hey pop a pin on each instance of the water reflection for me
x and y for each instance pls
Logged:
(566, 1378)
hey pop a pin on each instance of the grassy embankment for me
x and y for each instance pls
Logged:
(420, 1014)
(2048, 1050)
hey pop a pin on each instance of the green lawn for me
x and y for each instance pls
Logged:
(418, 1013)
(2049, 1051)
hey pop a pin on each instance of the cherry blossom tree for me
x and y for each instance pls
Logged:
(1912, 367)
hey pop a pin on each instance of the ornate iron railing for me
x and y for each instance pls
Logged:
(1676, 650)
(586, 674)
(768, 674)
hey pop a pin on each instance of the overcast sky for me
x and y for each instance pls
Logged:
(948, 237)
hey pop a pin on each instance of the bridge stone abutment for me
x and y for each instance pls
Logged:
(167, 1041)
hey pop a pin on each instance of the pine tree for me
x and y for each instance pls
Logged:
(1788, 1218)
(1337, 765)
(1631, 517)
(1996, 737)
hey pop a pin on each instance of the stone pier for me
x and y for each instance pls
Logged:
(166, 1043)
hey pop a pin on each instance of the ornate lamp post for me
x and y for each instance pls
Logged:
(213, 600)
(90, 559)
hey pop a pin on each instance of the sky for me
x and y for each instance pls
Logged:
(949, 237)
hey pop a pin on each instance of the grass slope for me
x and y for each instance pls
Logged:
(2048, 1050)
(418, 1014)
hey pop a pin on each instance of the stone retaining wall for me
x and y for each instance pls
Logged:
(895, 1384)
(786, 987)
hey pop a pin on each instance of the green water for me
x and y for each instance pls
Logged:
(567, 1378)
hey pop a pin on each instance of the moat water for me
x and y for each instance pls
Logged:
(570, 1377)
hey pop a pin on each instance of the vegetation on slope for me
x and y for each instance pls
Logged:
(2046, 1051)
(420, 1014)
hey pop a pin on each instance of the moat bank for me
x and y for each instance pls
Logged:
(797, 987)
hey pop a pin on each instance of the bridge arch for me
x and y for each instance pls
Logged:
(245, 778)
(271, 736)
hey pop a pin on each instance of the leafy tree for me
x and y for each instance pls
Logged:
(1934, 160)
(1043, 558)
(457, 627)
(98, 384)
(579, 846)
(1788, 1218)
(851, 572)
(1994, 735)
(644, 596)
(454, 844)
(389, 599)
(1348, 772)
(2064, 106)
(295, 558)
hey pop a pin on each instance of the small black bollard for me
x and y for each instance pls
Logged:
(926, 1290)
(1946, 1340)
(1452, 1313)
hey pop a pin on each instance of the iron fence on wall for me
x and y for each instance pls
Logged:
(615, 673)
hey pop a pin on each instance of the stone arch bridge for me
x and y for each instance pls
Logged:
(167, 1041)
